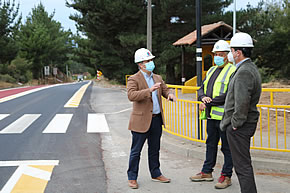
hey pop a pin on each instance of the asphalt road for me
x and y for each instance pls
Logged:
(80, 168)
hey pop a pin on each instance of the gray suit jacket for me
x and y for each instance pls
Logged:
(244, 93)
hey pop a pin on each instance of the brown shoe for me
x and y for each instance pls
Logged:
(223, 182)
(133, 184)
(161, 179)
(201, 177)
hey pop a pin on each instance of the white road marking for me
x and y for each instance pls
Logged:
(36, 173)
(20, 124)
(27, 170)
(124, 110)
(58, 124)
(29, 162)
(30, 91)
(2, 116)
(97, 123)
(75, 100)
(13, 180)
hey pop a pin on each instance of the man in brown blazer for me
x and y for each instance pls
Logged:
(145, 90)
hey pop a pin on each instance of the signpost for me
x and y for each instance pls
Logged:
(46, 70)
(54, 71)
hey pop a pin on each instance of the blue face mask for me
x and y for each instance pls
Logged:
(218, 60)
(150, 66)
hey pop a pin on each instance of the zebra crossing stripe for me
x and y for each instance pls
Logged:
(20, 124)
(58, 124)
(97, 123)
(3, 116)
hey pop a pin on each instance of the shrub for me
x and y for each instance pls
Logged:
(7, 78)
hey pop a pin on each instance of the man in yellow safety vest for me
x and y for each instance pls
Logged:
(212, 93)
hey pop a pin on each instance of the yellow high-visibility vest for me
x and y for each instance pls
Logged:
(219, 88)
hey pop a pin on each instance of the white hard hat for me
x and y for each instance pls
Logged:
(143, 54)
(221, 46)
(241, 40)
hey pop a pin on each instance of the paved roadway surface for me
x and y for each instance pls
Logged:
(94, 162)
(80, 168)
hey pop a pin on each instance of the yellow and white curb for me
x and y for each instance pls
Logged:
(75, 100)
(31, 176)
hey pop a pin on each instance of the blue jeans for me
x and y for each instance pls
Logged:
(153, 136)
(213, 135)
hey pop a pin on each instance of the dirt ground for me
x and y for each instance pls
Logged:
(276, 121)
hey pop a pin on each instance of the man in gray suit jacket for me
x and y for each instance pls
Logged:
(241, 115)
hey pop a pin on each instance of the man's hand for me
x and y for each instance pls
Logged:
(234, 128)
(171, 97)
(155, 86)
(202, 106)
(206, 99)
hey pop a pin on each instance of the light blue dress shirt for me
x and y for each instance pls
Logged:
(238, 64)
(150, 83)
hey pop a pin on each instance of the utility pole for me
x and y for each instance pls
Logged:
(198, 58)
(149, 25)
(234, 17)
(198, 43)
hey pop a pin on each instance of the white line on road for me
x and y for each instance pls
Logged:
(29, 162)
(13, 180)
(27, 170)
(37, 173)
(20, 124)
(58, 124)
(124, 110)
(30, 91)
(97, 123)
(2, 116)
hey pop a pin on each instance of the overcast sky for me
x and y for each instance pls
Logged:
(62, 12)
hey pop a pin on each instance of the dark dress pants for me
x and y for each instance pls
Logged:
(213, 136)
(239, 141)
(153, 136)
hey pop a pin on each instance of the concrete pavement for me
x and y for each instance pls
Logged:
(179, 158)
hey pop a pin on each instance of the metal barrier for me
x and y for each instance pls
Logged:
(126, 77)
(181, 119)
(272, 134)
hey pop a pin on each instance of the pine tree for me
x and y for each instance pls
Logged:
(43, 41)
(9, 25)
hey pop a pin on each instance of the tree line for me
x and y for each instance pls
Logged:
(109, 32)
(25, 48)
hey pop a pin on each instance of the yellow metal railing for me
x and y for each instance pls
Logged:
(272, 134)
(181, 119)
(127, 76)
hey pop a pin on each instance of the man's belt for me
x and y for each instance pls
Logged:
(154, 115)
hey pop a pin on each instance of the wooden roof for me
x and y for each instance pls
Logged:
(211, 33)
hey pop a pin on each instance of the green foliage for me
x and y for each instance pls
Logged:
(117, 28)
(43, 41)
(19, 70)
(269, 25)
(7, 78)
(9, 25)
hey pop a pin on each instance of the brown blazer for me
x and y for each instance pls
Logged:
(139, 93)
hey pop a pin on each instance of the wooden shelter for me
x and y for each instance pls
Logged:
(210, 33)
